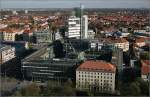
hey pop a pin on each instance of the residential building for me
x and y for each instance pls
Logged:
(120, 43)
(20, 46)
(9, 34)
(145, 70)
(6, 53)
(140, 41)
(91, 34)
(96, 75)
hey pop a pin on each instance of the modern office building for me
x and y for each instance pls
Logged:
(73, 27)
(43, 36)
(42, 66)
(96, 75)
(6, 53)
(84, 30)
(77, 27)
(117, 59)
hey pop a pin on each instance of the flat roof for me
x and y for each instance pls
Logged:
(4, 47)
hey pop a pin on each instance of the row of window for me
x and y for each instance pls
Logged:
(80, 72)
(88, 76)
(95, 80)
(96, 88)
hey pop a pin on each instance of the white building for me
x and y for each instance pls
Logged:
(84, 27)
(91, 34)
(116, 42)
(73, 27)
(96, 75)
(6, 53)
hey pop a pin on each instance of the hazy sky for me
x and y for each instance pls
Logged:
(74, 3)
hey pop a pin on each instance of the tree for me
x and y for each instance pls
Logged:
(144, 86)
(68, 89)
(17, 93)
(31, 90)
(129, 75)
(145, 55)
(130, 89)
(134, 89)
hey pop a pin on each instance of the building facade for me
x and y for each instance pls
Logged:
(43, 36)
(73, 27)
(84, 27)
(145, 70)
(6, 53)
(41, 66)
(96, 76)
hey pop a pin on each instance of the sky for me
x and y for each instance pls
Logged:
(74, 3)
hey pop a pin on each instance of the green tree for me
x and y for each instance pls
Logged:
(130, 89)
(145, 55)
(134, 89)
(31, 90)
(17, 93)
(144, 86)
(68, 89)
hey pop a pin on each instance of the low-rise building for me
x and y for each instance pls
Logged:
(116, 42)
(145, 70)
(6, 53)
(96, 75)
(141, 41)
(9, 34)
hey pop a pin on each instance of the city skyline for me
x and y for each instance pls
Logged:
(74, 3)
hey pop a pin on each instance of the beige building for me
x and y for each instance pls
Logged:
(96, 76)
(121, 43)
(9, 34)
(6, 53)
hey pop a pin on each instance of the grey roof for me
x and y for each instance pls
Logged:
(4, 47)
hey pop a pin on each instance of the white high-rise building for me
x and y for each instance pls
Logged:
(84, 27)
(73, 27)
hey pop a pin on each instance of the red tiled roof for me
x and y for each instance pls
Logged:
(140, 39)
(145, 67)
(96, 65)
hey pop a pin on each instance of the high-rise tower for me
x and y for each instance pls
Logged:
(81, 20)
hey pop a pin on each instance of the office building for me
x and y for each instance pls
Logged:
(43, 36)
(6, 53)
(84, 30)
(41, 66)
(73, 27)
(95, 76)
